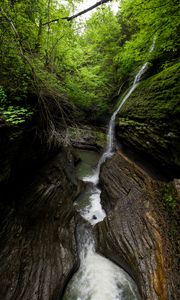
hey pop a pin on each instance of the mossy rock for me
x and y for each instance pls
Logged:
(150, 119)
(87, 137)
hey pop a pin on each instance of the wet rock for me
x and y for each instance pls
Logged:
(37, 237)
(136, 232)
(90, 138)
(177, 186)
(9, 143)
(149, 121)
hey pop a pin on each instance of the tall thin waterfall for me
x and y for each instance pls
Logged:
(94, 178)
(110, 136)
(93, 212)
(98, 278)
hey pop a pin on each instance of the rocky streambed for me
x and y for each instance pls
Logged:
(38, 245)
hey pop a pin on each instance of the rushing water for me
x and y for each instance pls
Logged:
(98, 278)
(93, 212)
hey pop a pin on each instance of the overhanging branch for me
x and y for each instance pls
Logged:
(86, 10)
(80, 13)
(49, 22)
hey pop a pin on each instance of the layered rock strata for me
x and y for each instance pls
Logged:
(149, 121)
(136, 233)
(38, 250)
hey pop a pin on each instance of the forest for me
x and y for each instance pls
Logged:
(53, 66)
(87, 86)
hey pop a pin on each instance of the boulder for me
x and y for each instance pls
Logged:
(86, 137)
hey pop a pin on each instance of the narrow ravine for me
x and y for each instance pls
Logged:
(89, 150)
(93, 212)
(98, 278)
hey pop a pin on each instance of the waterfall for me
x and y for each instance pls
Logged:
(93, 212)
(94, 178)
(110, 135)
(98, 278)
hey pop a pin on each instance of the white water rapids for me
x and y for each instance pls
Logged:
(98, 278)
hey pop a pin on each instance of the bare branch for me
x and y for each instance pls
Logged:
(14, 30)
(80, 13)
(86, 10)
(47, 23)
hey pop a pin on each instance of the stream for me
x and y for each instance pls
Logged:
(98, 278)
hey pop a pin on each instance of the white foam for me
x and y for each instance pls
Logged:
(93, 178)
(100, 279)
(93, 212)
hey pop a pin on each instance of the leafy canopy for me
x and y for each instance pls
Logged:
(61, 70)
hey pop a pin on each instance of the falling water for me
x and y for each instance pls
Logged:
(94, 178)
(110, 135)
(98, 278)
(93, 212)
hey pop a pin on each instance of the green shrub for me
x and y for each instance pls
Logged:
(16, 114)
(169, 197)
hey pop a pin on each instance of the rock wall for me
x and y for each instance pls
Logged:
(137, 233)
(37, 237)
(149, 121)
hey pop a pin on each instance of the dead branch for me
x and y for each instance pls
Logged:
(86, 10)
(80, 13)
(49, 22)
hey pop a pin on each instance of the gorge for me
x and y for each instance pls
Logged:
(89, 151)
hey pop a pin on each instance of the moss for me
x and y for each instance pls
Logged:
(87, 135)
(174, 230)
(156, 96)
(169, 197)
(127, 122)
(149, 121)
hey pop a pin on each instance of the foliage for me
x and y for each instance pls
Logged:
(169, 197)
(148, 20)
(31, 54)
(52, 66)
(92, 81)
(16, 115)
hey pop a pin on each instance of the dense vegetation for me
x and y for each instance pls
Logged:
(68, 71)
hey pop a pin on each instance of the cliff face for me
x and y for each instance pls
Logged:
(150, 119)
(37, 237)
(137, 233)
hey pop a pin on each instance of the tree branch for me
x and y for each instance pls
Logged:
(86, 10)
(47, 23)
(14, 30)
(16, 34)
(78, 14)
